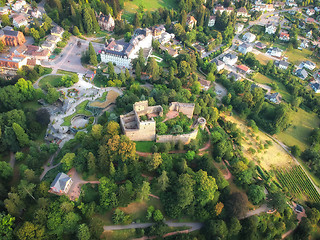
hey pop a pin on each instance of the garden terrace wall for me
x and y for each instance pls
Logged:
(185, 138)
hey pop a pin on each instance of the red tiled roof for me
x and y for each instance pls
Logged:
(243, 68)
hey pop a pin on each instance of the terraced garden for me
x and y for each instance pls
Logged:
(297, 183)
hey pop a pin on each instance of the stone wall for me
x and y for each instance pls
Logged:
(185, 138)
(141, 135)
(185, 108)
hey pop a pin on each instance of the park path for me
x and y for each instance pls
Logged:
(193, 226)
(47, 168)
(12, 159)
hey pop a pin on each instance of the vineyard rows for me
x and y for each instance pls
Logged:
(297, 183)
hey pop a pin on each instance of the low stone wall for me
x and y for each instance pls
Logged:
(185, 138)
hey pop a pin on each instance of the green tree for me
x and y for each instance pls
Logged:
(234, 226)
(154, 162)
(106, 189)
(14, 204)
(153, 68)
(76, 31)
(92, 55)
(157, 216)
(163, 181)
(29, 231)
(205, 187)
(277, 201)
(138, 71)
(6, 171)
(21, 135)
(5, 20)
(67, 161)
(256, 194)
(87, 21)
(83, 232)
(185, 192)
(6, 226)
(52, 95)
(143, 194)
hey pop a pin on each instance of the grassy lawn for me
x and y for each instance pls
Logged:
(53, 80)
(31, 105)
(80, 109)
(130, 7)
(144, 146)
(297, 56)
(302, 124)
(259, 78)
(262, 58)
(59, 71)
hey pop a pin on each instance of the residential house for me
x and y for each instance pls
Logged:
(205, 85)
(17, 6)
(11, 38)
(19, 21)
(275, 52)
(13, 62)
(57, 31)
(239, 27)
(171, 51)
(308, 65)
(200, 49)
(249, 37)
(220, 64)
(291, 3)
(20, 50)
(260, 45)
(35, 13)
(284, 36)
(106, 22)
(32, 62)
(310, 12)
(191, 22)
(244, 48)
(242, 12)
(302, 73)
(4, 10)
(243, 69)
(221, 9)
(315, 86)
(212, 21)
(302, 25)
(158, 31)
(282, 64)
(309, 34)
(274, 97)
(37, 53)
(271, 29)
(166, 37)
(309, 20)
(53, 38)
(48, 45)
(304, 43)
(234, 76)
(230, 58)
(61, 184)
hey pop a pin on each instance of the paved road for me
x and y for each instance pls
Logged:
(193, 225)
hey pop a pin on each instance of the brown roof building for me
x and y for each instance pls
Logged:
(13, 62)
(11, 38)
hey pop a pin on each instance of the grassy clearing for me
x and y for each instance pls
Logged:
(106, 99)
(53, 80)
(268, 156)
(131, 7)
(144, 146)
(80, 109)
(60, 71)
(303, 123)
(259, 78)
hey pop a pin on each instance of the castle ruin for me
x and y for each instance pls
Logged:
(141, 130)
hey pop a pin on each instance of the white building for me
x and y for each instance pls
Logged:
(19, 21)
(220, 65)
(275, 52)
(310, 11)
(18, 5)
(271, 29)
(239, 27)
(244, 48)
(121, 53)
(249, 37)
(230, 58)
(166, 37)
(212, 21)
(308, 65)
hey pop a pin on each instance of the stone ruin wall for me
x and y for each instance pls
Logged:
(185, 138)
